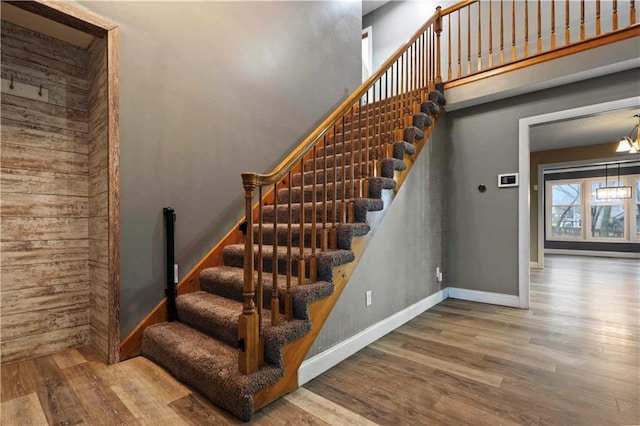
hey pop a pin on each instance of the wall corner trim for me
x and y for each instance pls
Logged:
(484, 297)
(318, 364)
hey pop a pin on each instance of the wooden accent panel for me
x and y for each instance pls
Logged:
(44, 222)
(98, 197)
(113, 158)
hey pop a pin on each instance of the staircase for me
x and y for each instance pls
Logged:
(245, 326)
(201, 348)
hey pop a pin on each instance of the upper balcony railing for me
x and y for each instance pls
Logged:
(478, 35)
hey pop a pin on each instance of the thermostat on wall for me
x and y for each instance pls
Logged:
(507, 179)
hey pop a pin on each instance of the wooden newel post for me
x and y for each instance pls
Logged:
(248, 321)
(438, 30)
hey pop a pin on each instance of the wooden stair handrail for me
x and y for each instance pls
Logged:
(280, 171)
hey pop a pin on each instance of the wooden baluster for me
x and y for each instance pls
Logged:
(418, 67)
(288, 302)
(387, 116)
(438, 30)
(459, 47)
(416, 61)
(301, 261)
(343, 206)
(539, 47)
(513, 30)
(479, 35)
(468, 40)
(259, 284)
(396, 98)
(526, 28)
(275, 300)
(365, 167)
(490, 35)
(249, 359)
(632, 12)
(378, 143)
(432, 61)
(501, 32)
(581, 20)
(324, 237)
(567, 32)
(614, 17)
(598, 24)
(334, 213)
(350, 208)
(449, 70)
(313, 263)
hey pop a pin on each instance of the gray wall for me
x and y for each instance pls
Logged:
(399, 265)
(395, 22)
(482, 231)
(208, 90)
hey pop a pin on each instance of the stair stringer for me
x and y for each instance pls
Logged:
(294, 353)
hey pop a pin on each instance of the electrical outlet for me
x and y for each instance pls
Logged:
(368, 298)
(438, 274)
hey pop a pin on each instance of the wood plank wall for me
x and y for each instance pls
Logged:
(98, 196)
(45, 217)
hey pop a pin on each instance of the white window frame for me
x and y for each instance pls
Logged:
(630, 225)
(549, 206)
(587, 182)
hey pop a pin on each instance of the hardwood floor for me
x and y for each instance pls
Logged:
(572, 358)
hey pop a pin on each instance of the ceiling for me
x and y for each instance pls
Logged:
(369, 6)
(589, 130)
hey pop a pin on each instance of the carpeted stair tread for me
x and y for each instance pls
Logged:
(346, 232)
(234, 256)
(332, 189)
(211, 314)
(227, 281)
(207, 365)
(430, 108)
(362, 206)
(402, 148)
(340, 159)
(217, 316)
(422, 120)
(333, 173)
(412, 133)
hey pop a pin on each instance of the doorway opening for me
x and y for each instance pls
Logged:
(526, 191)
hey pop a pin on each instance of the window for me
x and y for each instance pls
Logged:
(607, 216)
(573, 213)
(566, 210)
(637, 203)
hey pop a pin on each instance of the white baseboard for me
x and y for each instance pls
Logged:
(484, 297)
(619, 254)
(322, 362)
(534, 265)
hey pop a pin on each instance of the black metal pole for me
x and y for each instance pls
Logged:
(172, 270)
